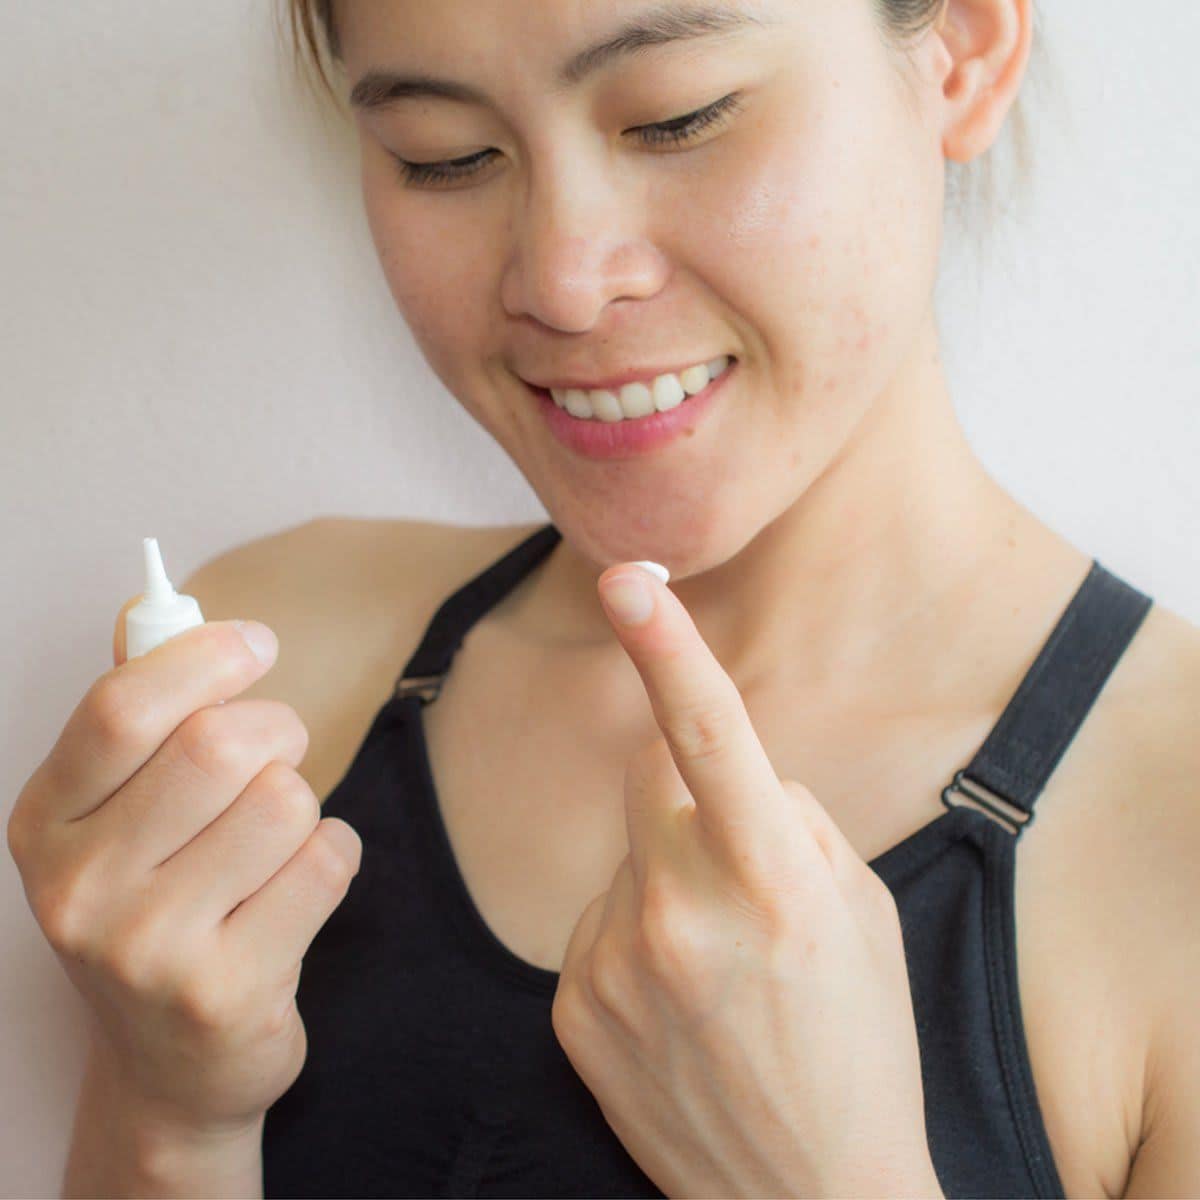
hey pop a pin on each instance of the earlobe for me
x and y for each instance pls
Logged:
(988, 43)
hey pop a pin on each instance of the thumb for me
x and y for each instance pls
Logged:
(118, 646)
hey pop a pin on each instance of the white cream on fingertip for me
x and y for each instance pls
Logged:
(654, 569)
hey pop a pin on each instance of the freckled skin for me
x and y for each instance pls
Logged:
(801, 234)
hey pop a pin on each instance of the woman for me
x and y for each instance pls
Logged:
(876, 597)
(705, 903)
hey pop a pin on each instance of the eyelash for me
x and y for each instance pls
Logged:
(676, 131)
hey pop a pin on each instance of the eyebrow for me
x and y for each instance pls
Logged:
(656, 27)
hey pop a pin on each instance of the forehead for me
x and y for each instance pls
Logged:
(567, 41)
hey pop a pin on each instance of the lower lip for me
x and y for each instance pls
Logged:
(629, 436)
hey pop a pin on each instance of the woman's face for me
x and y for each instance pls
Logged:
(798, 233)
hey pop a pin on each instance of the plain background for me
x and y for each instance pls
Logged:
(198, 345)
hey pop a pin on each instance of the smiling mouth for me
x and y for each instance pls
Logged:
(640, 399)
(613, 435)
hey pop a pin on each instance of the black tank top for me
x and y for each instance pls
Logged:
(433, 1068)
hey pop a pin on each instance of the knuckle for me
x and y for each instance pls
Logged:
(119, 712)
(202, 1001)
(291, 727)
(696, 729)
(327, 862)
(821, 832)
(667, 937)
(608, 976)
(132, 959)
(568, 1016)
(64, 904)
(282, 798)
(206, 741)
(62, 919)
(280, 1020)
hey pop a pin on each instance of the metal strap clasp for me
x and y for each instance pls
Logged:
(425, 687)
(1012, 818)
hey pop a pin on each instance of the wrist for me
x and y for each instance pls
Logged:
(166, 1152)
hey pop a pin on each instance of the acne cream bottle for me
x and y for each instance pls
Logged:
(162, 612)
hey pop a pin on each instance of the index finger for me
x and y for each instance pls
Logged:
(703, 718)
(130, 711)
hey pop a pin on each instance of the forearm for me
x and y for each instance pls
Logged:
(119, 1149)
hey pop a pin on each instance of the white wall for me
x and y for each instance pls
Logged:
(198, 344)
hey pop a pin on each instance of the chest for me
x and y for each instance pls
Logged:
(531, 796)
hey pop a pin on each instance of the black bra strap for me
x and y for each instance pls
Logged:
(425, 671)
(1053, 699)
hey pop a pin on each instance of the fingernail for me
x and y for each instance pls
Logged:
(629, 600)
(260, 639)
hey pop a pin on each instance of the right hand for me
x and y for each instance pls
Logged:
(179, 867)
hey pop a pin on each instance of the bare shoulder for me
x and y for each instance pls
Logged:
(1152, 899)
(1153, 720)
(348, 599)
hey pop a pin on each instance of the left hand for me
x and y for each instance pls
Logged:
(738, 1000)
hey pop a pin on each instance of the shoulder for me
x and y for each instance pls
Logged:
(380, 567)
(1152, 895)
(326, 555)
(348, 599)
(1152, 722)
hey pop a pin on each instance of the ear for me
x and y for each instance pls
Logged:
(986, 50)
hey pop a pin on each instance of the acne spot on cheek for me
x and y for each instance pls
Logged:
(831, 383)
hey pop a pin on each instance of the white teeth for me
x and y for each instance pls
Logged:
(694, 379)
(636, 400)
(668, 393)
(577, 403)
(605, 406)
(640, 399)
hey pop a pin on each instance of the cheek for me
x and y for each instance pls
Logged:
(826, 240)
(434, 292)
(779, 222)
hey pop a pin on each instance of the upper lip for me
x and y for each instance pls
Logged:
(614, 382)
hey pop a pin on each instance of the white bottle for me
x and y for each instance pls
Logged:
(162, 612)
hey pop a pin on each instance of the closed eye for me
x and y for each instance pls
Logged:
(677, 131)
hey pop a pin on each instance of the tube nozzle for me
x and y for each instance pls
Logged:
(159, 589)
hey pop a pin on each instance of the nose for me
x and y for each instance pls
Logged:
(578, 244)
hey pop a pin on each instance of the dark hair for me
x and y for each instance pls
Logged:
(314, 36)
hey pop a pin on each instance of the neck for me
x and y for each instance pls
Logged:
(883, 549)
